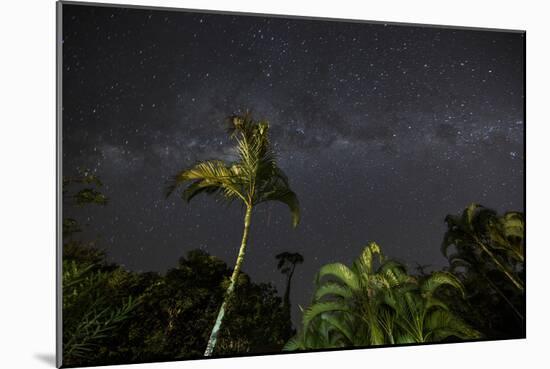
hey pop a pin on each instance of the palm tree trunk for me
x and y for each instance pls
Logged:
(502, 268)
(497, 290)
(286, 302)
(229, 292)
(286, 299)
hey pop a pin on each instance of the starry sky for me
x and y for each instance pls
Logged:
(383, 130)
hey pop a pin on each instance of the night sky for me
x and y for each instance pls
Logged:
(382, 129)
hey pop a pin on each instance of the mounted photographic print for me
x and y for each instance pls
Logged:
(236, 184)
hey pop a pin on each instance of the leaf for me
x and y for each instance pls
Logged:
(444, 324)
(468, 216)
(341, 326)
(212, 174)
(438, 279)
(365, 261)
(335, 289)
(90, 196)
(291, 200)
(295, 343)
(342, 273)
(320, 308)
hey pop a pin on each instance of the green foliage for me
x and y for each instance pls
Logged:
(88, 194)
(112, 316)
(89, 184)
(479, 234)
(92, 312)
(70, 226)
(486, 252)
(376, 302)
(83, 176)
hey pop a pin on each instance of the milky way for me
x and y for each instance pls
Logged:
(383, 129)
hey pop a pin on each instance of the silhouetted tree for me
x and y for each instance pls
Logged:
(287, 264)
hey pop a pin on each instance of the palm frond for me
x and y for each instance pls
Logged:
(365, 261)
(468, 216)
(295, 343)
(437, 279)
(444, 324)
(393, 272)
(275, 187)
(342, 327)
(290, 199)
(321, 308)
(332, 289)
(209, 176)
(342, 273)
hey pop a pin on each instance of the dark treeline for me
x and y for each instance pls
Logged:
(112, 315)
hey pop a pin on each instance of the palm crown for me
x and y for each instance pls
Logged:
(254, 178)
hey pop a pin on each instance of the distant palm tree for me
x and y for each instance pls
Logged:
(287, 265)
(479, 234)
(253, 179)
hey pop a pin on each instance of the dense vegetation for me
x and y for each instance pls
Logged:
(112, 315)
(375, 302)
(486, 252)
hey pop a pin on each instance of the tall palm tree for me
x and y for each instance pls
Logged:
(376, 302)
(287, 265)
(252, 179)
